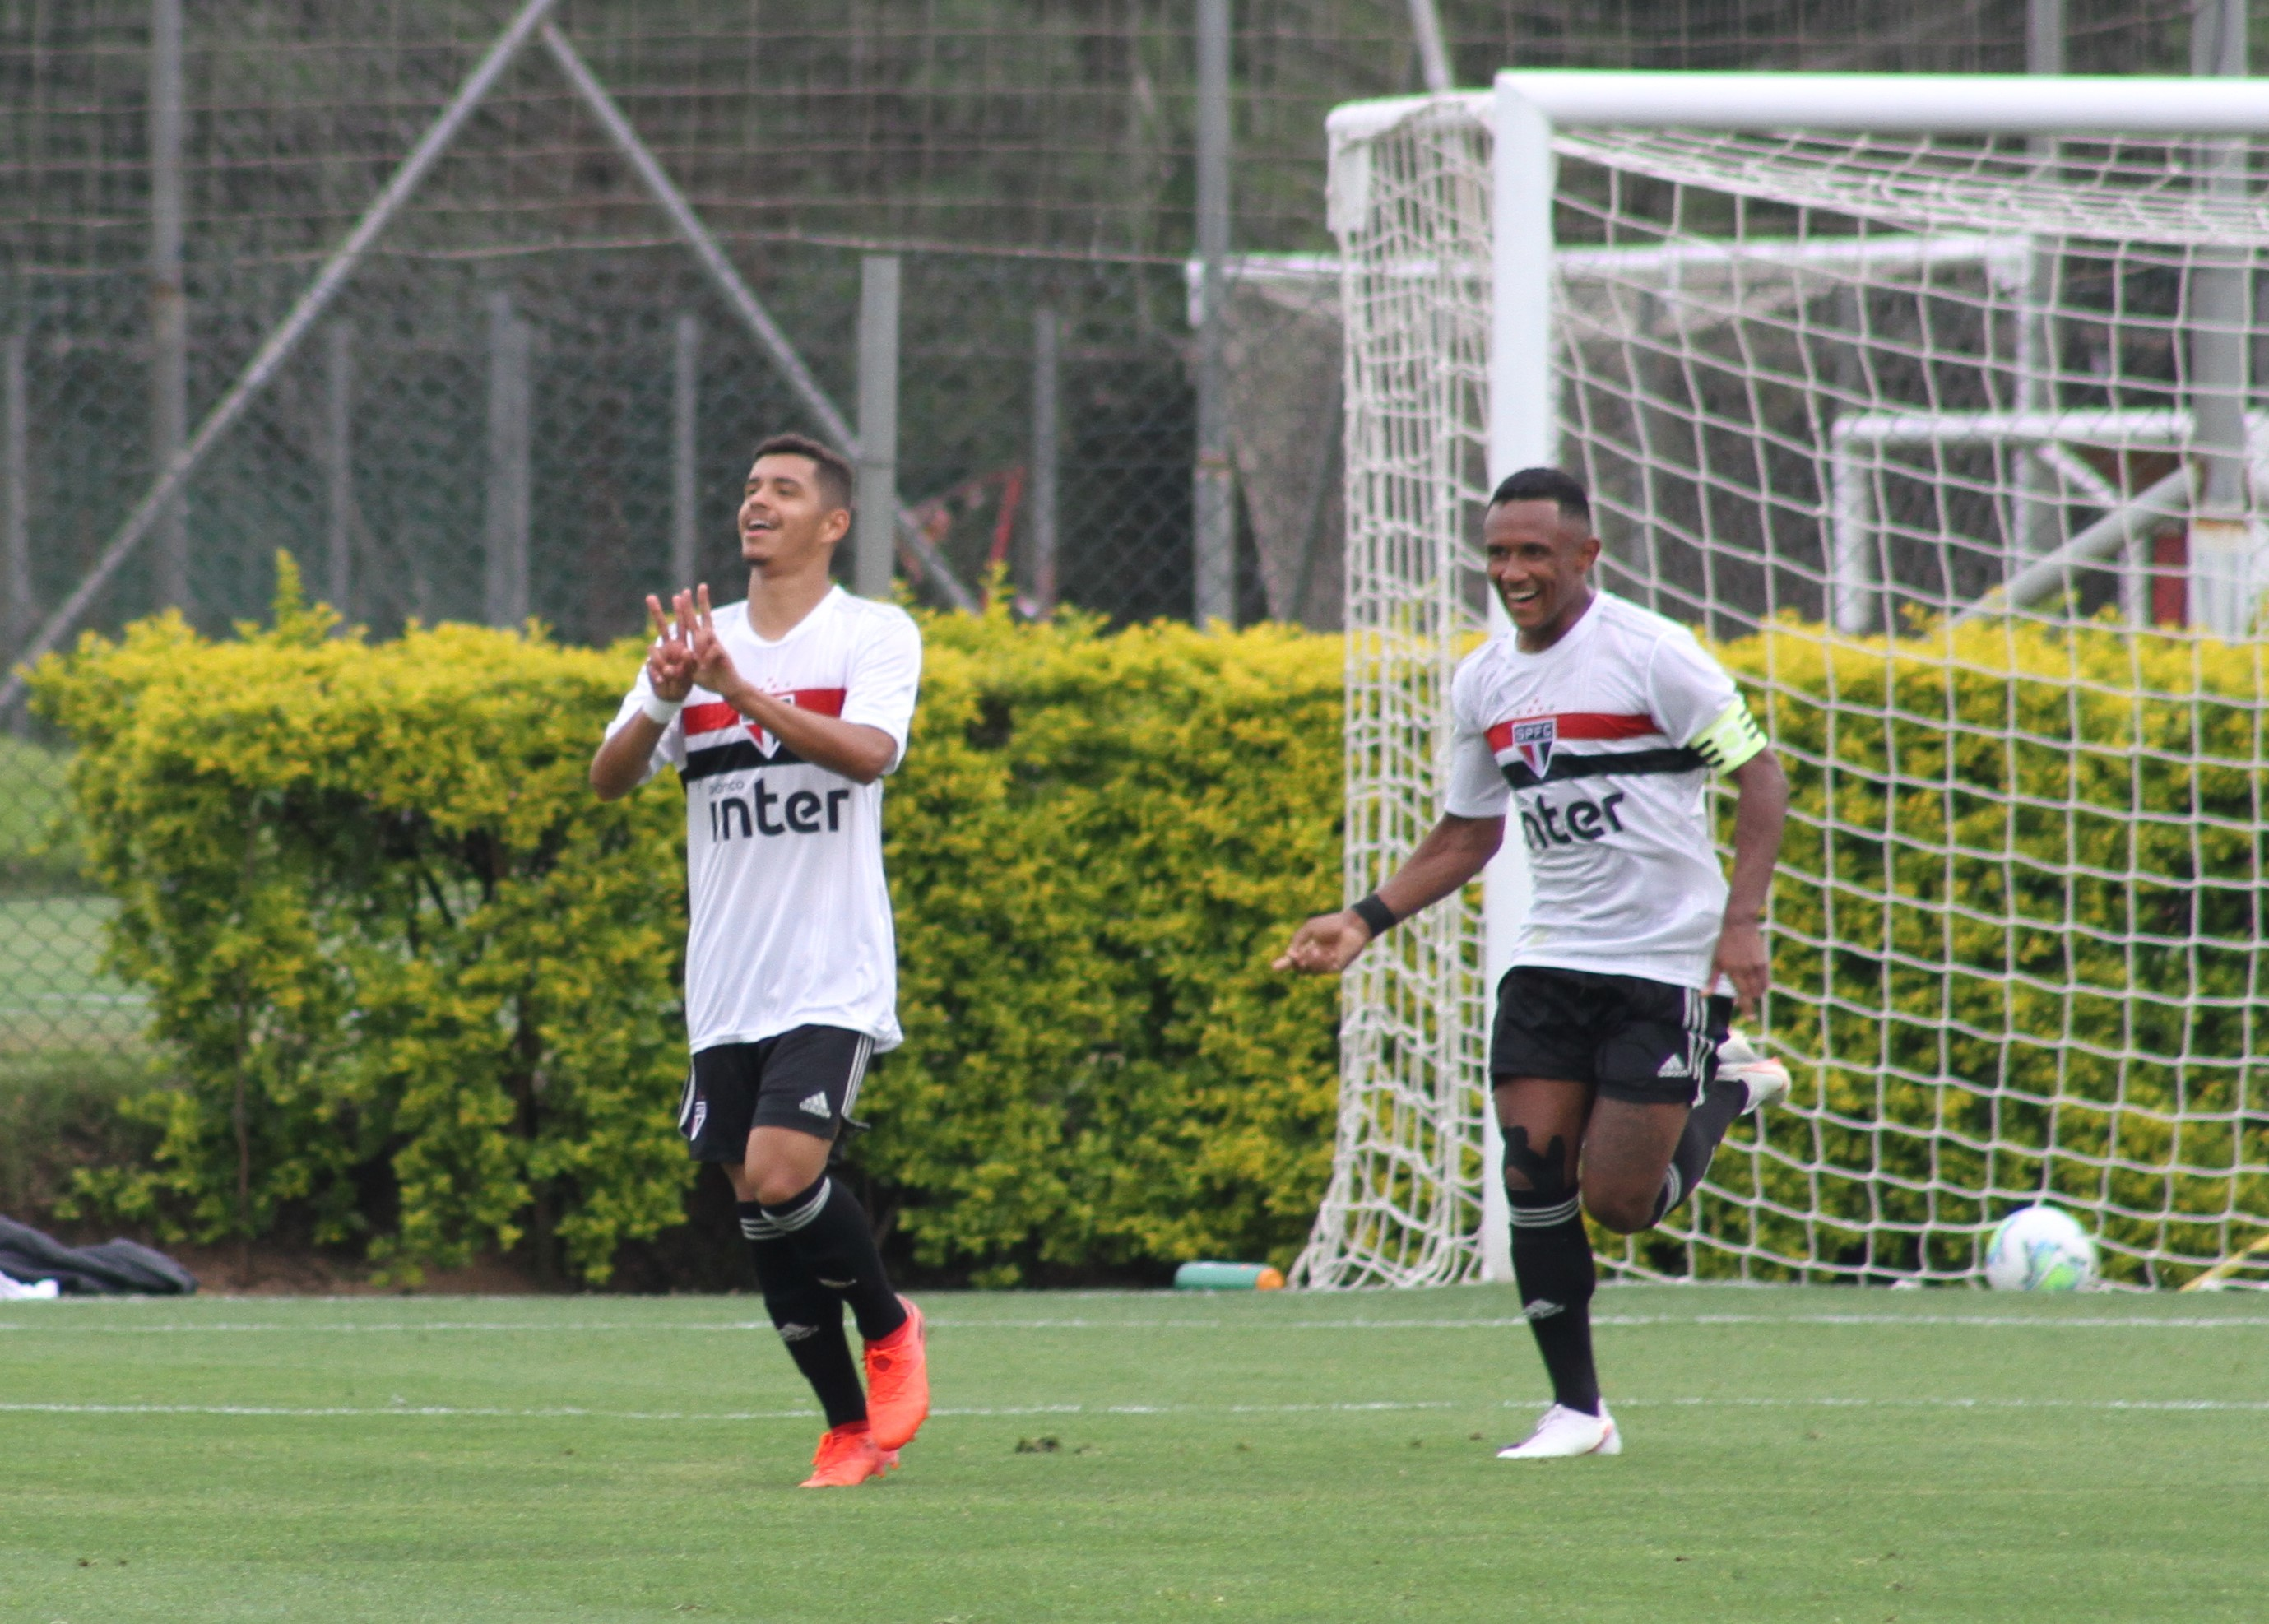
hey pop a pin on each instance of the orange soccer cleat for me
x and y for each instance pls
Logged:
(846, 1457)
(897, 1382)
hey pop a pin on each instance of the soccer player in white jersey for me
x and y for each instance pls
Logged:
(1597, 723)
(781, 715)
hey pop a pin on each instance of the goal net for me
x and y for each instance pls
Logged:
(1945, 444)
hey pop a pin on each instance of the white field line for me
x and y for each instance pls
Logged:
(594, 1327)
(575, 1413)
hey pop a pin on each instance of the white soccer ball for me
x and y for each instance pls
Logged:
(2039, 1249)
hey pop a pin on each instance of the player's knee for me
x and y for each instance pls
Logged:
(1527, 1168)
(776, 1187)
(1618, 1210)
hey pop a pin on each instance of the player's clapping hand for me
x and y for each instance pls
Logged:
(1325, 945)
(669, 662)
(1741, 959)
(713, 666)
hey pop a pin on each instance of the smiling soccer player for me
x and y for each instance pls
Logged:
(781, 716)
(1615, 1076)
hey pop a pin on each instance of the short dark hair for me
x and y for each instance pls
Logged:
(1546, 484)
(836, 480)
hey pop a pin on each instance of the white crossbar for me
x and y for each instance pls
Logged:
(1863, 103)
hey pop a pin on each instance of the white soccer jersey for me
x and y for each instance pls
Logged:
(1602, 745)
(791, 916)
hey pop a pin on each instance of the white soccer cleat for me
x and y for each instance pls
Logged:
(1765, 1078)
(1563, 1432)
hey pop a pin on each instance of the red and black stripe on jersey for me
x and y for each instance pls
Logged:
(1561, 765)
(730, 743)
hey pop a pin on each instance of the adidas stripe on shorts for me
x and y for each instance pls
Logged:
(1645, 1042)
(807, 1079)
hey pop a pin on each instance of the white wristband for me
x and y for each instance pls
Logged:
(659, 710)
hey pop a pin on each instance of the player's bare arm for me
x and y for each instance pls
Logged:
(1453, 852)
(1759, 813)
(621, 756)
(860, 753)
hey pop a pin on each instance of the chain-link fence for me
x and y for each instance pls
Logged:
(434, 394)
(530, 365)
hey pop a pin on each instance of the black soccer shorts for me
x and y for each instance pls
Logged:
(1644, 1042)
(806, 1078)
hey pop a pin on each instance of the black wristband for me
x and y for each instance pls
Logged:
(1375, 913)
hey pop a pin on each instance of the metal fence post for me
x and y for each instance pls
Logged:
(16, 492)
(2045, 31)
(1047, 381)
(1215, 497)
(338, 461)
(878, 426)
(2035, 343)
(1433, 56)
(507, 527)
(2224, 595)
(685, 426)
(169, 359)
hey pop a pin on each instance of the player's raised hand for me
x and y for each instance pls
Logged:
(1741, 959)
(713, 666)
(669, 662)
(1325, 944)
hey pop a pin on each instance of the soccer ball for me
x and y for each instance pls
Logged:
(2039, 1249)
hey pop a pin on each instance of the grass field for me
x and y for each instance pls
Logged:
(1792, 1454)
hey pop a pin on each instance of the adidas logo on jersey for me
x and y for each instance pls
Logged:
(1543, 1307)
(1674, 1066)
(815, 1103)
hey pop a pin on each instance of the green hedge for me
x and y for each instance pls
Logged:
(2038, 857)
(1097, 846)
(420, 988)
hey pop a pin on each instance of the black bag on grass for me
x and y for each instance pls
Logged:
(115, 1268)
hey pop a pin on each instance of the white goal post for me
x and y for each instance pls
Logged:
(1927, 397)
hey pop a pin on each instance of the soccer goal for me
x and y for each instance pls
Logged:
(1928, 399)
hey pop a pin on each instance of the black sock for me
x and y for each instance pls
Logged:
(831, 1233)
(1705, 1126)
(808, 1317)
(1552, 1260)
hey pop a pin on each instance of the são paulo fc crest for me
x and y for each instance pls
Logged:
(1533, 742)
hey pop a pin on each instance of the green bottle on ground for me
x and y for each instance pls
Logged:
(1228, 1277)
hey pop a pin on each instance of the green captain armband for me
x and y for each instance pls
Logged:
(1732, 739)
